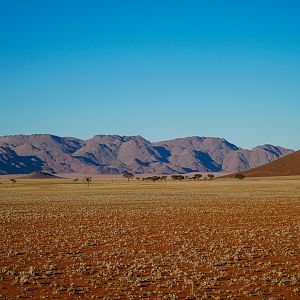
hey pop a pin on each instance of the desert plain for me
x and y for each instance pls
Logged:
(218, 239)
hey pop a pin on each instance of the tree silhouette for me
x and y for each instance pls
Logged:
(13, 181)
(128, 175)
(164, 178)
(177, 177)
(75, 180)
(211, 176)
(197, 176)
(88, 180)
(239, 176)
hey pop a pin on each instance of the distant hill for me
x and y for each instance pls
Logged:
(39, 175)
(113, 154)
(286, 166)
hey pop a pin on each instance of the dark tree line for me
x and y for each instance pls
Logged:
(155, 178)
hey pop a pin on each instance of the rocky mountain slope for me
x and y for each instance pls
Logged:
(288, 165)
(113, 154)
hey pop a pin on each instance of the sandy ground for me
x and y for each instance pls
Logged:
(219, 239)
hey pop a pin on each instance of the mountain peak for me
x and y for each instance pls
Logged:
(110, 154)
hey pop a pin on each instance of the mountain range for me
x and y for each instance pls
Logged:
(113, 154)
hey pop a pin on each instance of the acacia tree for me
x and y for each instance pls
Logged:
(211, 176)
(88, 180)
(164, 178)
(177, 177)
(75, 180)
(128, 175)
(197, 176)
(13, 181)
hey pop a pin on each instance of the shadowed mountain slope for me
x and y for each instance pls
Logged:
(285, 166)
(113, 154)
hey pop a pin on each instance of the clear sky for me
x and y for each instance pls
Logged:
(160, 69)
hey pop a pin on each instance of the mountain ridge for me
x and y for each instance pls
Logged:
(288, 165)
(115, 154)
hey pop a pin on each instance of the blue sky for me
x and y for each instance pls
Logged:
(160, 69)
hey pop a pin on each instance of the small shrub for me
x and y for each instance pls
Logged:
(239, 176)
(197, 176)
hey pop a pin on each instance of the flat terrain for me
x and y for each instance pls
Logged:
(219, 239)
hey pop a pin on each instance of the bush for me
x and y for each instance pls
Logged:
(239, 176)
(197, 176)
(178, 177)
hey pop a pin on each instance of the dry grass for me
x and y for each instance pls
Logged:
(220, 239)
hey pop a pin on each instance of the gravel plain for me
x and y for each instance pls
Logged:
(218, 239)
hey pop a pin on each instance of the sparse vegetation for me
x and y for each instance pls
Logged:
(217, 240)
(156, 178)
(88, 180)
(239, 176)
(197, 176)
(178, 177)
(164, 178)
(13, 181)
(128, 175)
